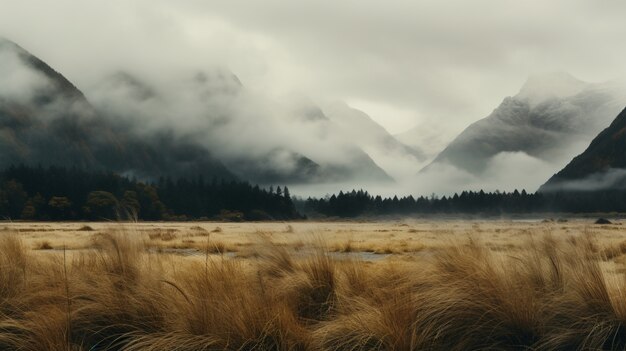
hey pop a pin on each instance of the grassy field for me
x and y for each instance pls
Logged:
(403, 285)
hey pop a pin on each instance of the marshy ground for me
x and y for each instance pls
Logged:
(396, 285)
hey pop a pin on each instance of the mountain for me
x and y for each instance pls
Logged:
(342, 156)
(393, 156)
(601, 166)
(43, 117)
(257, 138)
(552, 118)
(428, 138)
(45, 120)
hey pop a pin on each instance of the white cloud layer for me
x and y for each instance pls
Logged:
(448, 60)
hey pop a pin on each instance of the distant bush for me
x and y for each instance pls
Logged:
(231, 216)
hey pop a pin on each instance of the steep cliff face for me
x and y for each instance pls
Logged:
(601, 166)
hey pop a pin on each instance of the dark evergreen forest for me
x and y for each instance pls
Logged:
(361, 203)
(57, 193)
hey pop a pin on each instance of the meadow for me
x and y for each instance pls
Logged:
(393, 285)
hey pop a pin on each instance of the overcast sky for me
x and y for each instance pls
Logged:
(402, 62)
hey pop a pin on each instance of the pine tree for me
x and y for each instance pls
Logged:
(286, 193)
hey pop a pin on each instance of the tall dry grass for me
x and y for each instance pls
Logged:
(550, 294)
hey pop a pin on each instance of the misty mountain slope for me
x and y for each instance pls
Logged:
(429, 138)
(196, 110)
(601, 166)
(45, 120)
(390, 154)
(551, 119)
(302, 146)
(255, 137)
(43, 117)
(334, 146)
(278, 166)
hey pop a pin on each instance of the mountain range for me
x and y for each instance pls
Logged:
(206, 122)
(257, 138)
(201, 122)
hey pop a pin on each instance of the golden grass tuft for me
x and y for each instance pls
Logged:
(43, 245)
(547, 293)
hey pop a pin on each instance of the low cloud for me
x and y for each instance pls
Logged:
(506, 171)
(452, 60)
(236, 124)
(609, 179)
(19, 82)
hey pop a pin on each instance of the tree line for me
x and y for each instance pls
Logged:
(57, 193)
(357, 203)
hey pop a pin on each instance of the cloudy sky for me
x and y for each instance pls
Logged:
(403, 62)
